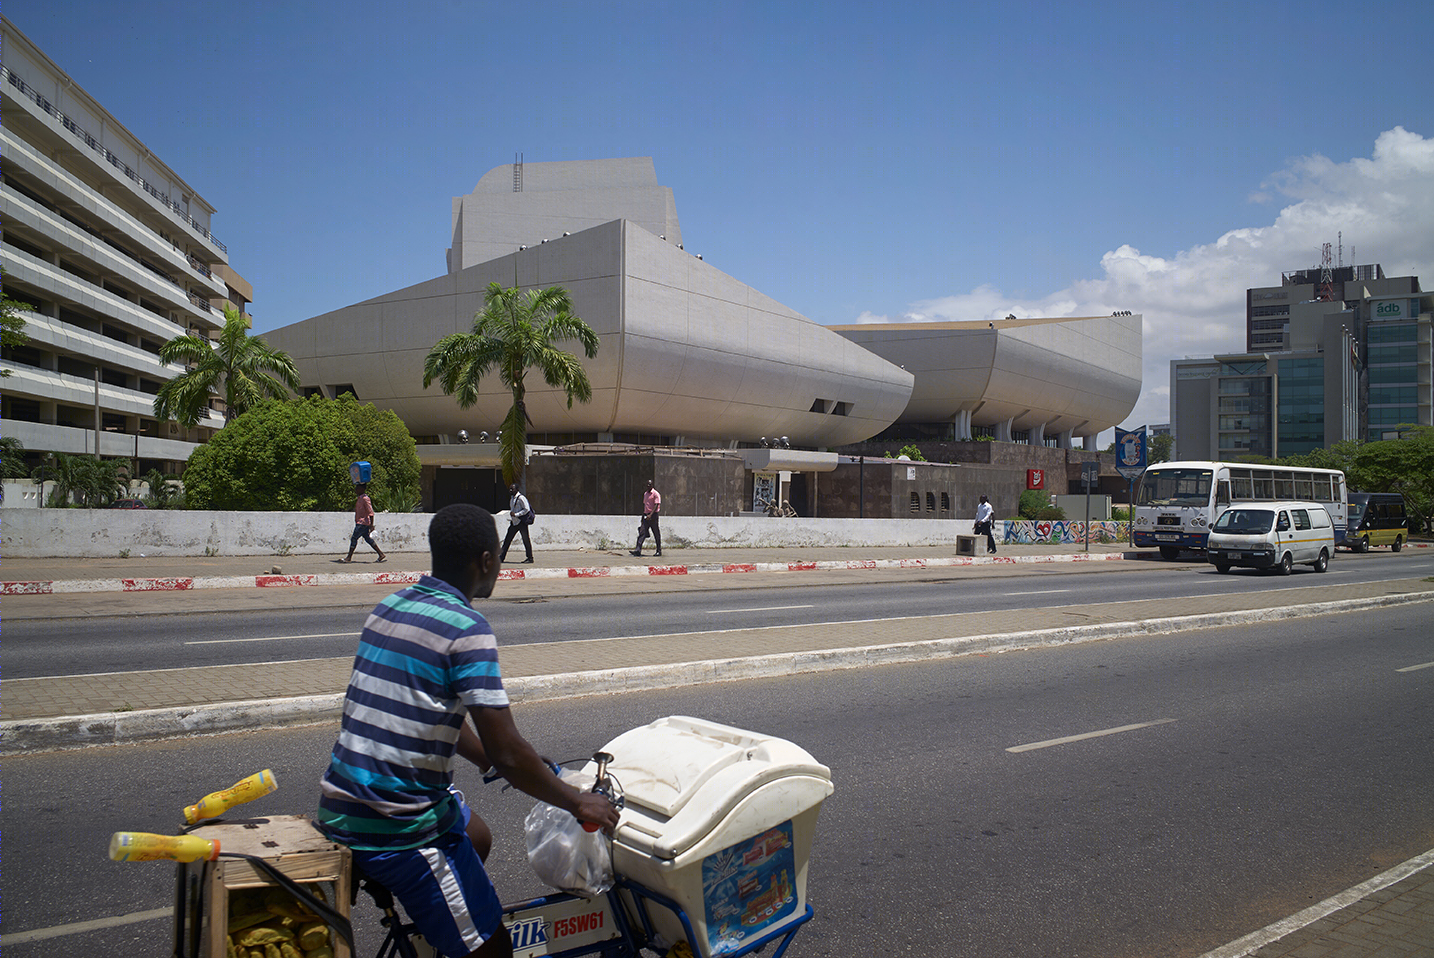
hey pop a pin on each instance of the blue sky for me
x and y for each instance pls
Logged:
(856, 162)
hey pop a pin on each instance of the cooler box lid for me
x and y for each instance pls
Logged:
(682, 777)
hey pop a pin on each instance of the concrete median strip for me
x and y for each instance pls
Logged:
(108, 728)
(183, 583)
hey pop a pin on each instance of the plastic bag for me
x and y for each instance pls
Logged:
(564, 854)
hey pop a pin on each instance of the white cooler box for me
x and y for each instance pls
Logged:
(721, 821)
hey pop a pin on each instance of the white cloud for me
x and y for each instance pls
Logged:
(1194, 303)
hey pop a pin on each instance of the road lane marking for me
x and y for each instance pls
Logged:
(1416, 668)
(274, 638)
(1082, 737)
(97, 924)
(769, 608)
(1041, 592)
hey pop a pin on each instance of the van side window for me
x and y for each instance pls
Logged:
(1302, 518)
(1283, 524)
(1320, 519)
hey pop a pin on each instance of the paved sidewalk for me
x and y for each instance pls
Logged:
(186, 573)
(1389, 916)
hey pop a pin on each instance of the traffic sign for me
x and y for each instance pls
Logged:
(1130, 452)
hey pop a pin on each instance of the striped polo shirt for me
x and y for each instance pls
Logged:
(425, 657)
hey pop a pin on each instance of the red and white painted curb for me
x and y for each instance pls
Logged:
(184, 584)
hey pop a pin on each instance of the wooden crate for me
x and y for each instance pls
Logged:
(290, 843)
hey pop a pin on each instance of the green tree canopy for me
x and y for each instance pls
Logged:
(12, 324)
(294, 455)
(12, 458)
(1404, 465)
(243, 368)
(1160, 448)
(164, 492)
(92, 483)
(514, 332)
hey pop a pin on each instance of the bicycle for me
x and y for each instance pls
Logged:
(618, 923)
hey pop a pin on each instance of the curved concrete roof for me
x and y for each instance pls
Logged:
(1080, 375)
(685, 350)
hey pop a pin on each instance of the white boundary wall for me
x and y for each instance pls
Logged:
(100, 533)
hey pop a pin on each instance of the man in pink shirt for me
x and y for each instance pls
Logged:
(651, 507)
(363, 524)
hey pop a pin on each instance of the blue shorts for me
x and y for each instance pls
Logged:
(443, 889)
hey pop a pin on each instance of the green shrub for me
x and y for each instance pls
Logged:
(1036, 504)
(294, 455)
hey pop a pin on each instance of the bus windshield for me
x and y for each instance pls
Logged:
(1175, 487)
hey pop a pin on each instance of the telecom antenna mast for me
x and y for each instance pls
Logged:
(1326, 274)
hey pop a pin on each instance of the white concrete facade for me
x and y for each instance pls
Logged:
(685, 350)
(1062, 378)
(98, 533)
(114, 251)
(528, 204)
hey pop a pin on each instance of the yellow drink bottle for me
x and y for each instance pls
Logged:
(255, 786)
(146, 847)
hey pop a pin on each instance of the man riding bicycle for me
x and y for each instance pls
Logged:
(427, 661)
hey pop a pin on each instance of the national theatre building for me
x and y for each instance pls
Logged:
(690, 357)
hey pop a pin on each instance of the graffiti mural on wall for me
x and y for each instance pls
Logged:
(1058, 531)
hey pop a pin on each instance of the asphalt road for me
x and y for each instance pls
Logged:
(1273, 766)
(98, 644)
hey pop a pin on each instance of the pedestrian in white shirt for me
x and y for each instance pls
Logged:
(984, 516)
(520, 516)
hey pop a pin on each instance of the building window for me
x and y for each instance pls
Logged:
(1393, 333)
(931, 502)
(916, 503)
(945, 502)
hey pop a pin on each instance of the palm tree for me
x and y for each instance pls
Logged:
(244, 366)
(513, 332)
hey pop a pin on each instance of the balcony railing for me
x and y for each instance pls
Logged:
(84, 137)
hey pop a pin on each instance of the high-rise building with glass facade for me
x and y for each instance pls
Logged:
(1340, 355)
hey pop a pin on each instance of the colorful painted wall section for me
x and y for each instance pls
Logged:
(1066, 531)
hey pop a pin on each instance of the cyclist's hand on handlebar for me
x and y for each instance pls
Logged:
(595, 808)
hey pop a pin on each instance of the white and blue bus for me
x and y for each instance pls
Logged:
(1176, 503)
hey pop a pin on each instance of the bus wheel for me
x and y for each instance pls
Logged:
(1322, 563)
(1170, 552)
(1363, 543)
(1398, 543)
(1287, 564)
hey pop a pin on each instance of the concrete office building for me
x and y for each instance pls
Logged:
(1037, 381)
(1389, 318)
(113, 250)
(1397, 385)
(1271, 403)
